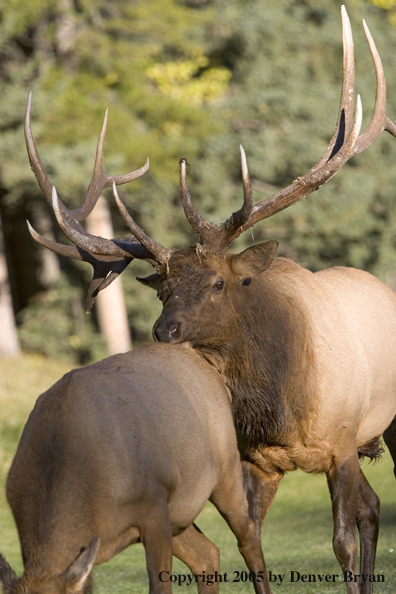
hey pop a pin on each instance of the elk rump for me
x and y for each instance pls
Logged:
(126, 450)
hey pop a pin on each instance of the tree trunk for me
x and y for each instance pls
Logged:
(48, 270)
(9, 343)
(110, 303)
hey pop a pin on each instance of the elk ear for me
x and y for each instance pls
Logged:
(7, 576)
(254, 260)
(153, 281)
(77, 574)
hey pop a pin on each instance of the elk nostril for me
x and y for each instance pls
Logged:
(174, 331)
(166, 332)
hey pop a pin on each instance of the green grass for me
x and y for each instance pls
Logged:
(296, 534)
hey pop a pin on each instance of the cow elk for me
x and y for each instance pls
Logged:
(309, 358)
(127, 450)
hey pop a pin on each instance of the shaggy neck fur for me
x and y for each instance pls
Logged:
(267, 362)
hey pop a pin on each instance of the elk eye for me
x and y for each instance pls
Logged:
(219, 285)
(246, 281)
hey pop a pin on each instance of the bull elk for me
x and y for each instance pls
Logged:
(309, 358)
(127, 450)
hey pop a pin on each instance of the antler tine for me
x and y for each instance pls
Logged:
(226, 232)
(203, 229)
(70, 251)
(34, 158)
(379, 120)
(99, 179)
(247, 207)
(345, 111)
(160, 253)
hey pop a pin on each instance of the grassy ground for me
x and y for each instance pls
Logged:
(296, 534)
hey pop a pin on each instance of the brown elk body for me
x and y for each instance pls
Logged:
(309, 358)
(127, 450)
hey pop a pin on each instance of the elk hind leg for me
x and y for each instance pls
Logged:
(200, 555)
(156, 535)
(367, 520)
(343, 481)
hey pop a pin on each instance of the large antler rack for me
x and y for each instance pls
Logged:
(108, 257)
(345, 143)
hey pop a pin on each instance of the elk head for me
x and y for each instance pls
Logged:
(74, 580)
(194, 284)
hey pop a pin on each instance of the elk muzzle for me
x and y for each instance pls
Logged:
(168, 330)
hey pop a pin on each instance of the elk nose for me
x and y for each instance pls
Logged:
(167, 333)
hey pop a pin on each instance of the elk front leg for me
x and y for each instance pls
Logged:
(343, 481)
(367, 520)
(260, 488)
(199, 554)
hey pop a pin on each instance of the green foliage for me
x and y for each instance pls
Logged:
(91, 55)
(56, 326)
(179, 80)
(22, 380)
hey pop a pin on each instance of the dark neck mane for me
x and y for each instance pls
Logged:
(267, 365)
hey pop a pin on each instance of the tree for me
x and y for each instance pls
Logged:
(111, 310)
(9, 343)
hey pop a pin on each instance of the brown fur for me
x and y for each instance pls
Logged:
(127, 450)
(310, 363)
(372, 450)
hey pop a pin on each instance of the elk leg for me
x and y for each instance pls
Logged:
(230, 499)
(199, 554)
(367, 520)
(390, 440)
(260, 489)
(157, 540)
(343, 481)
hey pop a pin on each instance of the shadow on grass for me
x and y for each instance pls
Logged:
(388, 514)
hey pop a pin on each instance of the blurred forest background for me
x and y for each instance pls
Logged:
(181, 77)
